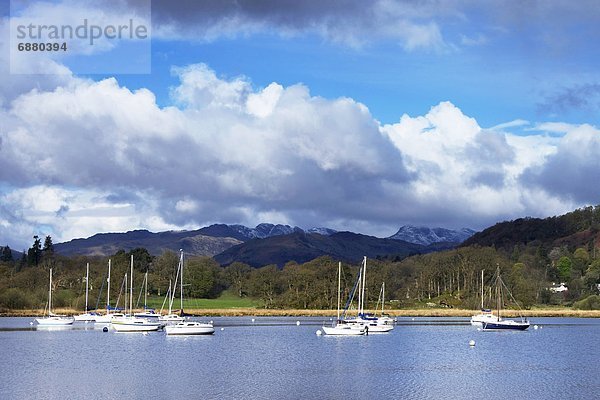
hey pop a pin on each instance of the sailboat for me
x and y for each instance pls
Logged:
(498, 323)
(370, 321)
(87, 316)
(106, 318)
(172, 317)
(148, 312)
(486, 313)
(53, 319)
(188, 327)
(341, 326)
(384, 319)
(131, 323)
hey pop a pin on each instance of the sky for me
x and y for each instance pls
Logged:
(352, 115)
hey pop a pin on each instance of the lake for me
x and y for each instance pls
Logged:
(274, 358)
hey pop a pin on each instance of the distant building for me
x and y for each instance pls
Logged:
(558, 288)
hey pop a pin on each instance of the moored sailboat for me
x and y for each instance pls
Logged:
(188, 327)
(87, 316)
(486, 313)
(53, 319)
(131, 323)
(499, 323)
(370, 321)
(340, 326)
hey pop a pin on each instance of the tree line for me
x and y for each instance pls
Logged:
(444, 279)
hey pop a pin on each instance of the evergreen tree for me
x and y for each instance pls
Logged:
(48, 249)
(34, 254)
(6, 254)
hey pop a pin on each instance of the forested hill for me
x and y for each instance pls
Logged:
(302, 247)
(574, 229)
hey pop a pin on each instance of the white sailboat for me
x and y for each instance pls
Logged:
(486, 313)
(148, 312)
(372, 323)
(53, 319)
(131, 323)
(106, 318)
(188, 327)
(340, 327)
(171, 317)
(86, 316)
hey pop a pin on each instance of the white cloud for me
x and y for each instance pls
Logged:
(472, 173)
(90, 157)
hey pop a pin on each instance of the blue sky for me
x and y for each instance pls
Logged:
(352, 115)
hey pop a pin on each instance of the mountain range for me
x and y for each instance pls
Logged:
(267, 243)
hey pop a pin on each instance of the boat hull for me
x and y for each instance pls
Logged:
(478, 320)
(55, 321)
(87, 317)
(190, 329)
(135, 325)
(505, 325)
(344, 330)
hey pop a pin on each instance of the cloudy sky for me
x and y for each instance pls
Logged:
(353, 115)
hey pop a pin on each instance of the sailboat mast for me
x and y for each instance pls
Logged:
(364, 282)
(382, 297)
(125, 298)
(87, 277)
(131, 288)
(170, 296)
(50, 295)
(339, 288)
(482, 289)
(498, 291)
(181, 281)
(108, 290)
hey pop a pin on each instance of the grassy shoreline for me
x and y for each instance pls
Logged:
(425, 312)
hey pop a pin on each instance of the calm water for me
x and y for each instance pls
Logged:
(273, 358)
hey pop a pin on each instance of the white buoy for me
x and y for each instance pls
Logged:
(222, 329)
(31, 323)
(413, 319)
(298, 323)
(252, 320)
(535, 327)
(211, 322)
(472, 343)
(319, 332)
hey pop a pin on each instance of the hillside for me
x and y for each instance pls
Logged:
(103, 244)
(302, 247)
(206, 241)
(574, 229)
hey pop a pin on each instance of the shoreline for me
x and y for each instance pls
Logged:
(261, 312)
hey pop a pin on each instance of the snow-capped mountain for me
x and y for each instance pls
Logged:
(265, 230)
(322, 231)
(426, 236)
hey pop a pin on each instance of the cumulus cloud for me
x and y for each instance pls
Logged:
(88, 157)
(571, 172)
(228, 154)
(464, 172)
